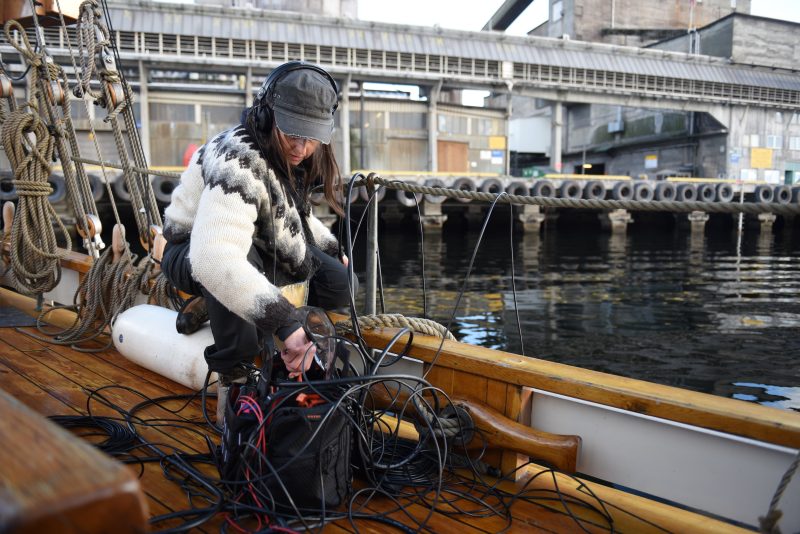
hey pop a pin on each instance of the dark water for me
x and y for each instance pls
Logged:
(706, 313)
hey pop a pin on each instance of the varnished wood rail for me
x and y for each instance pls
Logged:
(52, 481)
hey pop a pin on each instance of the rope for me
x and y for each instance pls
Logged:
(34, 251)
(108, 289)
(49, 83)
(396, 320)
(640, 205)
(768, 524)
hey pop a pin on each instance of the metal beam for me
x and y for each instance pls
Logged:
(506, 15)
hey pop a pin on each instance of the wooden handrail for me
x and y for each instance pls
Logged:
(52, 481)
(780, 427)
(498, 431)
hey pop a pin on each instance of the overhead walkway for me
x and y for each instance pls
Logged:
(225, 41)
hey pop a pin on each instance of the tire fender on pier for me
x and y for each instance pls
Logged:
(434, 182)
(724, 193)
(644, 191)
(408, 199)
(796, 194)
(686, 193)
(622, 191)
(342, 197)
(666, 191)
(121, 189)
(519, 188)
(594, 190)
(7, 189)
(544, 188)
(59, 186)
(706, 193)
(464, 184)
(380, 193)
(491, 185)
(782, 194)
(163, 186)
(97, 186)
(570, 189)
(764, 193)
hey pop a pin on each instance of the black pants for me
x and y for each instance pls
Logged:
(235, 339)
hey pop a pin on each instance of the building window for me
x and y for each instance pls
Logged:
(794, 143)
(775, 141)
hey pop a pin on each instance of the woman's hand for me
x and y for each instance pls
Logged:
(298, 352)
(345, 260)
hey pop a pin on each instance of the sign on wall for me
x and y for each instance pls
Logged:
(761, 158)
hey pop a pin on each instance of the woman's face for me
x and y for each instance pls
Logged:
(296, 149)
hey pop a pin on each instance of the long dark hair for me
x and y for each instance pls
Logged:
(321, 166)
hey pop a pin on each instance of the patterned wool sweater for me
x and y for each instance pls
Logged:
(227, 200)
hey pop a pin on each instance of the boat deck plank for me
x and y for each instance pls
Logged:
(56, 380)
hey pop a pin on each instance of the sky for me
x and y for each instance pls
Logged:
(473, 14)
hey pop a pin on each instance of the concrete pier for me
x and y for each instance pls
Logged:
(616, 220)
(531, 218)
(697, 221)
(432, 216)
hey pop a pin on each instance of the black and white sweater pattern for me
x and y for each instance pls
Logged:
(228, 198)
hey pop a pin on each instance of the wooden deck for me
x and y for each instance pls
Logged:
(55, 380)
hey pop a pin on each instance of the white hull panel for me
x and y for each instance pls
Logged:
(720, 473)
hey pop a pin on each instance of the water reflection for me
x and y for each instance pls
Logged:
(680, 308)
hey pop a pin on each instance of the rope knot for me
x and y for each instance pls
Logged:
(31, 188)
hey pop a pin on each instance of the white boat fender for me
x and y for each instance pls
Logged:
(644, 191)
(146, 335)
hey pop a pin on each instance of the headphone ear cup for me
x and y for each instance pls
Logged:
(263, 119)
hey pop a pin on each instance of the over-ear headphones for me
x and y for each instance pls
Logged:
(262, 105)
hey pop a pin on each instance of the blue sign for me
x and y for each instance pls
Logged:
(734, 157)
(497, 153)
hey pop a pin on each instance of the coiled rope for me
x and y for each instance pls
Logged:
(109, 288)
(35, 258)
(396, 320)
(641, 205)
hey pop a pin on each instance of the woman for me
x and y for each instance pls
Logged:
(240, 225)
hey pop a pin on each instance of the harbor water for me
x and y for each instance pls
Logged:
(717, 312)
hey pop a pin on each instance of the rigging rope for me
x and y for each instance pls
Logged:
(35, 258)
(396, 320)
(48, 81)
(768, 524)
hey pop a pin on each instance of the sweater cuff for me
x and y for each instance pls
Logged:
(287, 330)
